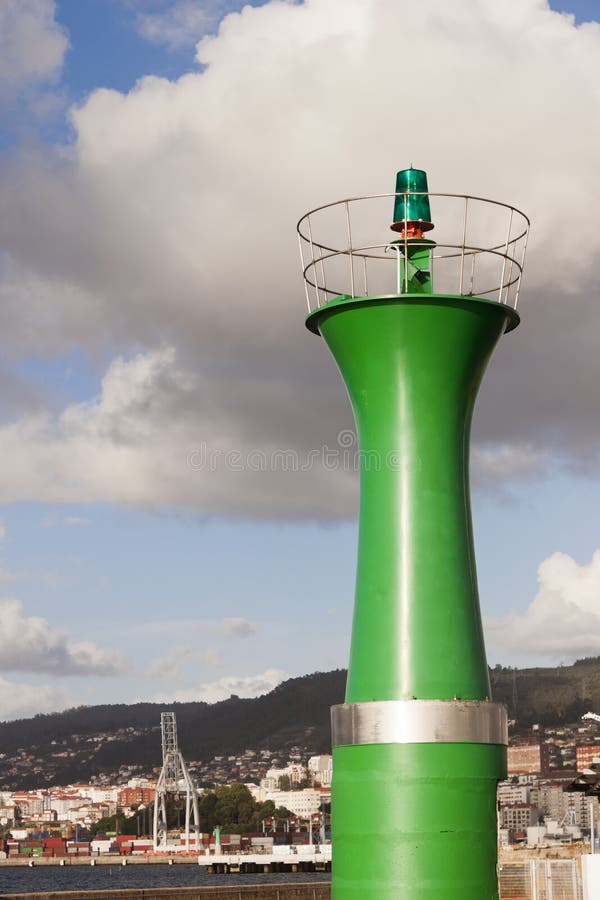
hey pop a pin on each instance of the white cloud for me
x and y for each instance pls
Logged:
(174, 662)
(507, 462)
(170, 224)
(155, 436)
(185, 22)
(30, 644)
(32, 44)
(241, 686)
(19, 701)
(235, 627)
(562, 621)
(6, 576)
(226, 628)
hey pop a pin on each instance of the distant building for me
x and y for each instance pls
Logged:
(519, 816)
(555, 803)
(527, 759)
(102, 794)
(132, 796)
(509, 794)
(8, 811)
(270, 782)
(296, 771)
(321, 768)
(141, 781)
(301, 803)
(255, 790)
(62, 803)
(585, 754)
(293, 771)
(88, 813)
(30, 803)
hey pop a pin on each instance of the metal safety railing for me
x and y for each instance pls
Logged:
(477, 248)
(541, 879)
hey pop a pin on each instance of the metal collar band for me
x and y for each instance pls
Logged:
(419, 722)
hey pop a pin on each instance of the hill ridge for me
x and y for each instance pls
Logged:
(85, 742)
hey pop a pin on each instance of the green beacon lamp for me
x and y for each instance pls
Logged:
(419, 745)
(412, 217)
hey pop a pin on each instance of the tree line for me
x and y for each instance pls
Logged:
(231, 807)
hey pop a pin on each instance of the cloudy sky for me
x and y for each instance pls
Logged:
(154, 158)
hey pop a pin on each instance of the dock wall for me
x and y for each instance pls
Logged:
(315, 891)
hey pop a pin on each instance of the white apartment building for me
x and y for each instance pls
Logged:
(527, 779)
(29, 802)
(139, 782)
(86, 814)
(301, 803)
(256, 791)
(63, 804)
(563, 806)
(509, 794)
(271, 780)
(7, 811)
(102, 794)
(321, 768)
(294, 771)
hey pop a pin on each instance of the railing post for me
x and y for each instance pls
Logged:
(398, 251)
(314, 262)
(521, 266)
(549, 891)
(574, 879)
(350, 250)
(405, 248)
(533, 879)
(304, 272)
(462, 252)
(510, 220)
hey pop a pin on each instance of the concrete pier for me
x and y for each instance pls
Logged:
(316, 891)
(282, 859)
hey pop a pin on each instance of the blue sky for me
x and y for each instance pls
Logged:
(133, 219)
(583, 10)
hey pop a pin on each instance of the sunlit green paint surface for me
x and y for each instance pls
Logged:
(412, 368)
(415, 821)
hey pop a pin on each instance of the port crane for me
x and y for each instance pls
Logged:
(174, 778)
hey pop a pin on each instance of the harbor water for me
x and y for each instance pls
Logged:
(26, 880)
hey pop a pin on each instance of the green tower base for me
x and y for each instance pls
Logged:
(415, 821)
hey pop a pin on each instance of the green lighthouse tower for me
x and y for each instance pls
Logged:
(418, 746)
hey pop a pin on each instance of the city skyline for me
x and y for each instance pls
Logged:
(156, 373)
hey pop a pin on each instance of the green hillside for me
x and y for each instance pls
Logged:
(549, 696)
(80, 743)
(296, 713)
